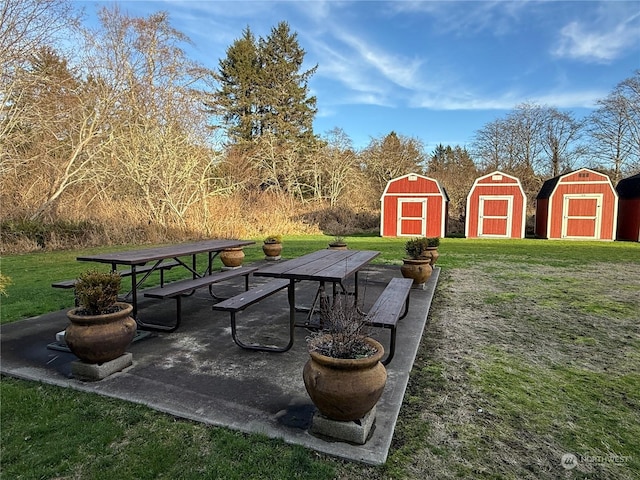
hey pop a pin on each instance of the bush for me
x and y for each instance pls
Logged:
(41, 235)
(416, 247)
(97, 292)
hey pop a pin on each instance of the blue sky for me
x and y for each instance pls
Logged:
(436, 71)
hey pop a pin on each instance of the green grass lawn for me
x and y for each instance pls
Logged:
(532, 351)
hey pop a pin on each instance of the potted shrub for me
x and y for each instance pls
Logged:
(344, 376)
(418, 264)
(101, 327)
(338, 243)
(432, 249)
(272, 247)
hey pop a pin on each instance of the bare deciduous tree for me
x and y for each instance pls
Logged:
(612, 132)
(337, 166)
(26, 26)
(56, 130)
(159, 154)
(561, 140)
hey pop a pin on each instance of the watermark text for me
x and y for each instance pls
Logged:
(571, 460)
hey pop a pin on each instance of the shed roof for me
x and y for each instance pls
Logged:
(441, 189)
(629, 187)
(550, 185)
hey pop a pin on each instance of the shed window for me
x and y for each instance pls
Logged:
(497, 178)
(413, 177)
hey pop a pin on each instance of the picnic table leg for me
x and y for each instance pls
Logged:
(355, 289)
(134, 292)
(291, 295)
(321, 301)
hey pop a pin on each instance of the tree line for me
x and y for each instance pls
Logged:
(124, 118)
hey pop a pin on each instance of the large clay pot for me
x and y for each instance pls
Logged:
(272, 249)
(432, 252)
(232, 257)
(345, 389)
(417, 269)
(100, 338)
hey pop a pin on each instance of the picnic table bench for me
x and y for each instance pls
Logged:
(238, 303)
(123, 273)
(391, 306)
(145, 269)
(184, 288)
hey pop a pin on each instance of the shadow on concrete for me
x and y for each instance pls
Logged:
(199, 373)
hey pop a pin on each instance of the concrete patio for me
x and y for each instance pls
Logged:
(199, 373)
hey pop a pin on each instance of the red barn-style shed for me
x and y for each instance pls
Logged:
(496, 207)
(579, 205)
(629, 208)
(414, 205)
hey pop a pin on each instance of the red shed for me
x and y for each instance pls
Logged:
(629, 208)
(496, 207)
(414, 205)
(579, 205)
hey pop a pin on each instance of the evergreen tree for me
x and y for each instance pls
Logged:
(262, 91)
(236, 100)
(287, 110)
(390, 157)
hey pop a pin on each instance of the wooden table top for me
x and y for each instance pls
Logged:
(142, 256)
(322, 265)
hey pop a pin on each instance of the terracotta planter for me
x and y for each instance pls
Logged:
(345, 389)
(100, 338)
(272, 249)
(337, 246)
(232, 257)
(433, 254)
(417, 269)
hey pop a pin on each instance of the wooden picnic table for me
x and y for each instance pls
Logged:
(140, 257)
(322, 266)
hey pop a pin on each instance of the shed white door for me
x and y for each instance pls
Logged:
(495, 216)
(581, 216)
(412, 217)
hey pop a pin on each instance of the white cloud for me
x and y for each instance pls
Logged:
(508, 100)
(597, 42)
(470, 18)
(394, 68)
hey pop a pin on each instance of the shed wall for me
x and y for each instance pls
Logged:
(502, 200)
(577, 205)
(413, 208)
(542, 217)
(629, 219)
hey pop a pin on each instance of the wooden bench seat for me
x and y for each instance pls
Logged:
(182, 288)
(241, 301)
(125, 273)
(392, 305)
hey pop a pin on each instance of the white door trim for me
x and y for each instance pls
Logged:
(422, 217)
(598, 216)
(482, 216)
